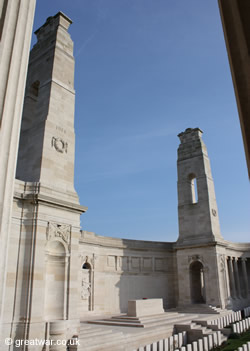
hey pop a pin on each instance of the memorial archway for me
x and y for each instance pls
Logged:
(197, 282)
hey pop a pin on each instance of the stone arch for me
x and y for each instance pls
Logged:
(86, 286)
(56, 280)
(197, 282)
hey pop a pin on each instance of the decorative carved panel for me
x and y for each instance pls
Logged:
(62, 231)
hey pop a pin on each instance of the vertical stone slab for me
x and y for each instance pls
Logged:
(219, 339)
(180, 339)
(194, 346)
(200, 345)
(166, 344)
(171, 343)
(160, 346)
(205, 343)
(224, 321)
(189, 347)
(244, 325)
(215, 341)
(176, 341)
(210, 342)
(154, 346)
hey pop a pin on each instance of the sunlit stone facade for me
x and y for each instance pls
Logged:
(57, 274)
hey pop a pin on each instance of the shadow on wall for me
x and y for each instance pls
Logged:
(143, 276)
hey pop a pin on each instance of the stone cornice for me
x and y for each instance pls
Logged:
(50, 201)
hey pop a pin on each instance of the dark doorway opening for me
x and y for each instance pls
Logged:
(197, 282)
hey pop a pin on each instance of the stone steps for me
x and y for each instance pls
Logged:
(116, 323)
(94, 332)
(159, 316)
(202, 309)
(192, 326)
(143, 322)
(93, 338)
(114, 338)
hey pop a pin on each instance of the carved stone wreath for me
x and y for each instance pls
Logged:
(59, 144)
(214, 213)
(62, 231)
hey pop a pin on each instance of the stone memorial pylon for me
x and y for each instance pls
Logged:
(45, 229)
(198, 244)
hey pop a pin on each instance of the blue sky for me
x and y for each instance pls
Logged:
(145, 71)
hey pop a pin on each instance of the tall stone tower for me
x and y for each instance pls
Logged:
(199, 242)
(45, 229)
(197, 208)
(47, 142)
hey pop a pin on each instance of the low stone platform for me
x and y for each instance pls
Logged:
(166, 318)
(145, 307)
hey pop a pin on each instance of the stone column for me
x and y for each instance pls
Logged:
(15, 36)
(244, 268)
(231, 276)
(227, 280)
(237, 279)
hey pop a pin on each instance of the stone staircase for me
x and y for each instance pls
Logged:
(99, 339)
(197, 329)
(194, 331)
(116, 333)
(168, 318)
(126, 333)
(201, 309)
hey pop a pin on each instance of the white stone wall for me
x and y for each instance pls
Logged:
(128, 269)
